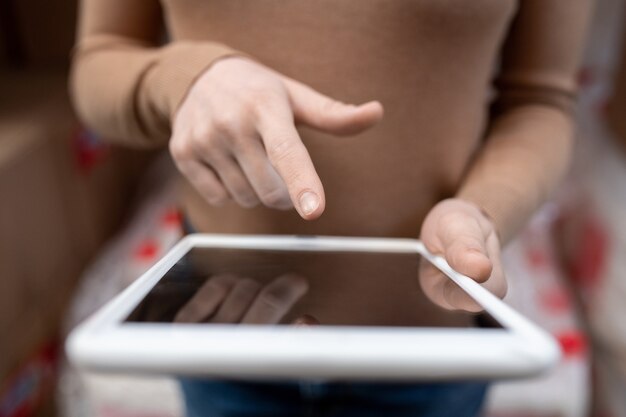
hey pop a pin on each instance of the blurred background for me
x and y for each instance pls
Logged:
(79, 220)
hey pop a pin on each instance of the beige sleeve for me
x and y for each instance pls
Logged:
(530, 136)
(123, 84)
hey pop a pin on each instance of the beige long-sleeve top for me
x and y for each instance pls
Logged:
(478, 97)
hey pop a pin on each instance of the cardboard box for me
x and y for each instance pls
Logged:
(99, 182)
(35, 240)
(63, 193)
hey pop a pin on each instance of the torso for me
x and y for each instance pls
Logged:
(430, 63)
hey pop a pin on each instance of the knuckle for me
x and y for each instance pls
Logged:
(259, 97)
(227, 123)
(242, 193)
(255, 99)
(280, 149)
(216, 197)
(248, 201)
(215, 152)
(218, 200)
(277, 198)
(180, 149)
(201, 131)
(204, 143)
(466, 242)
(240, 143)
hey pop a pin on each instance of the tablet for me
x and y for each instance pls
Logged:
(289, 307)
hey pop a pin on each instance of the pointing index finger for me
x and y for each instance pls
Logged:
(292, 161)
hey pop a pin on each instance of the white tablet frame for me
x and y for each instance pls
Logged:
(103, 343)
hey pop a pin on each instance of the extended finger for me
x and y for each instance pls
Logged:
(206, 300)
(292, 161)
(276, 299)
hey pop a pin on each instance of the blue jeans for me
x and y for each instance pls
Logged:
(212, 398)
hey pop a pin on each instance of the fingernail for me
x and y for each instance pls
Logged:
(309, 202)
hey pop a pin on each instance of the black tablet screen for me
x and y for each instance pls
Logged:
(252, 286)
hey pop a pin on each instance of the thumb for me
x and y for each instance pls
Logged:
(329, 115)
(464, 247)
(466, 257)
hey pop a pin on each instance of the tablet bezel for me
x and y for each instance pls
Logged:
(105, 342)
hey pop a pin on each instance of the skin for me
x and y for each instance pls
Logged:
(235, 138)
(461, 233)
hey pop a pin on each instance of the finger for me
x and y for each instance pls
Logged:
(234, 180)
(432, 281)
(206, 300)
(289, 157)
(205, 181)
(458, 299)
(276, 299)
(237, 302)
(464, 247)
(444, 292)
(496, 283)
(324, 113)
(265, 181)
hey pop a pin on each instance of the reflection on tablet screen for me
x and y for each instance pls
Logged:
(252, 286)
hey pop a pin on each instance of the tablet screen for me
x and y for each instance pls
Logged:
(253, 286)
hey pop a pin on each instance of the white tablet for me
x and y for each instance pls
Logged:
(269, 307)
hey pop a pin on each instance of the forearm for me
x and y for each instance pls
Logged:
(530, 138)
(525, 155)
